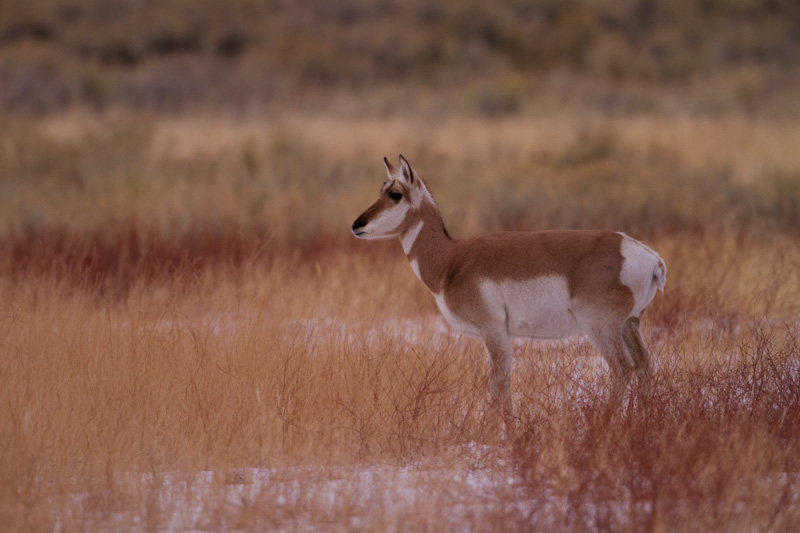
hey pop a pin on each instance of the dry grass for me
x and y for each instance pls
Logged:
(191, 338)
(91, 175)
(112, 408)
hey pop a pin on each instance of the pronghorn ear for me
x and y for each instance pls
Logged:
(391, 170)
(406, 170)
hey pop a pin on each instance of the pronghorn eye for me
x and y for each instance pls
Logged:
(396, 196)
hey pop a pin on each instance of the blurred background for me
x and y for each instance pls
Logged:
(356, 57)
(187, 130)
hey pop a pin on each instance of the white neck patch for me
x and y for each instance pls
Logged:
(410, 237)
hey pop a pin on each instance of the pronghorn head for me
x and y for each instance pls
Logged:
(393, 212)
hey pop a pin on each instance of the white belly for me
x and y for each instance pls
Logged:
(537, 308)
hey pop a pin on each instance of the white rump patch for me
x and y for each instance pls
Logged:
(641, 272)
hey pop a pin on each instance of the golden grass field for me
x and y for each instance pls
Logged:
(192, 339)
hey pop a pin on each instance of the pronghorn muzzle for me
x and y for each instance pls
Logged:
(358, 226)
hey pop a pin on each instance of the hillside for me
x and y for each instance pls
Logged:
(360, 57)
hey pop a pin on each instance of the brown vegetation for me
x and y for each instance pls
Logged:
(462, 56)
(171, 311)
(191, 338)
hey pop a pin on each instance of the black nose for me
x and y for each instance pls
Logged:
(357, 225)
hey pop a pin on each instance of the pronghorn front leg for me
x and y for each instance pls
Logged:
(500, 348)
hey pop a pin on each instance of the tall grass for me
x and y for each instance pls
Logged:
(190, 338)
(714, 449)
(109, 401)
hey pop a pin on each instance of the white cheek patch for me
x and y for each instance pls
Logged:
(387, 222)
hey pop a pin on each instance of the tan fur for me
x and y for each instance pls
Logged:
(589, 260)
(481, 283)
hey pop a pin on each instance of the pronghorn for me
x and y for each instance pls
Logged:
(545, 284)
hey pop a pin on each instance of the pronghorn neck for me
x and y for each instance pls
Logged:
(427, 246)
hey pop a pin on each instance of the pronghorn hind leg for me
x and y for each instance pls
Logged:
(639, 354)
(500, 348)
(608, 341)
